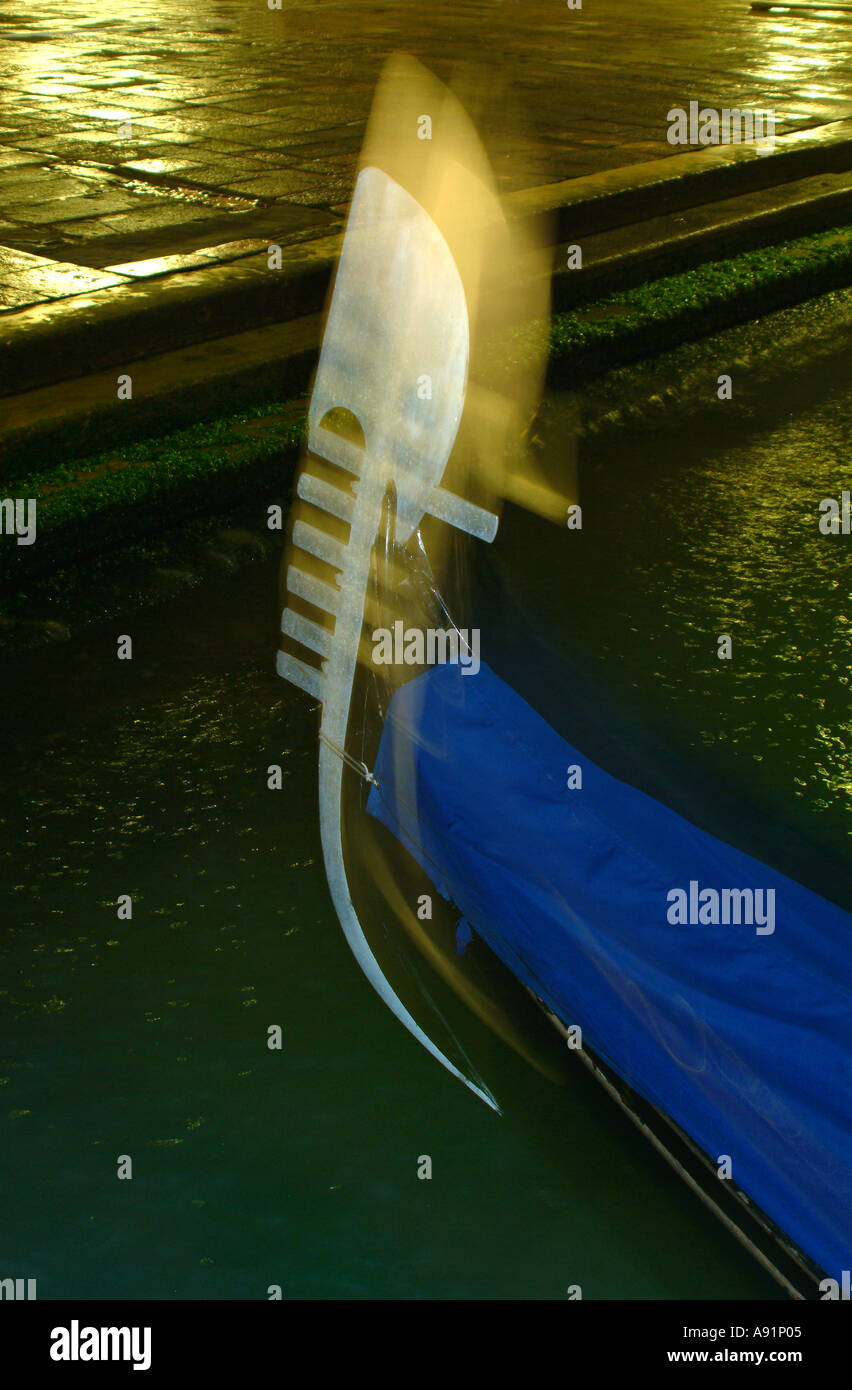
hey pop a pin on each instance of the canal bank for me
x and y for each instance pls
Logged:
(117, 443)
(150, 346)
(146, 517)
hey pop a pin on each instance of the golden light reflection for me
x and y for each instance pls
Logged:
(789, 48)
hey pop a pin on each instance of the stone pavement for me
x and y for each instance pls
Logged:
(158, 127)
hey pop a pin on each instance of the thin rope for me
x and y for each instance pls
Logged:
(353, 763)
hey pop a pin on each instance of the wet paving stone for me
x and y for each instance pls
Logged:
(273, 103)
(26, 279)
(169, 265)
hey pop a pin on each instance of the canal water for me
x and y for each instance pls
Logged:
(147, 1038)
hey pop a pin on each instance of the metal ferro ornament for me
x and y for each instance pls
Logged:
(400, 317)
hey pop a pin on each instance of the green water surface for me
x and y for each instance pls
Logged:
(148, 1037)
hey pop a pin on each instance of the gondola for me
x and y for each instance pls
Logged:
(482, 781)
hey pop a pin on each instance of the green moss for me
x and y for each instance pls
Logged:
(640, 321)
(115, 498)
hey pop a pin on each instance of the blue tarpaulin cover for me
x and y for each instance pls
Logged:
(742, 1038)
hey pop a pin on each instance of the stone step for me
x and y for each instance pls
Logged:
(145, 308)
(170, 390)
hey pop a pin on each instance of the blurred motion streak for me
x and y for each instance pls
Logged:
(428, 381)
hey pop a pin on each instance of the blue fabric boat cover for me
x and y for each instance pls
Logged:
(742, 1037)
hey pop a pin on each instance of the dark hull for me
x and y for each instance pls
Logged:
(553, 679)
